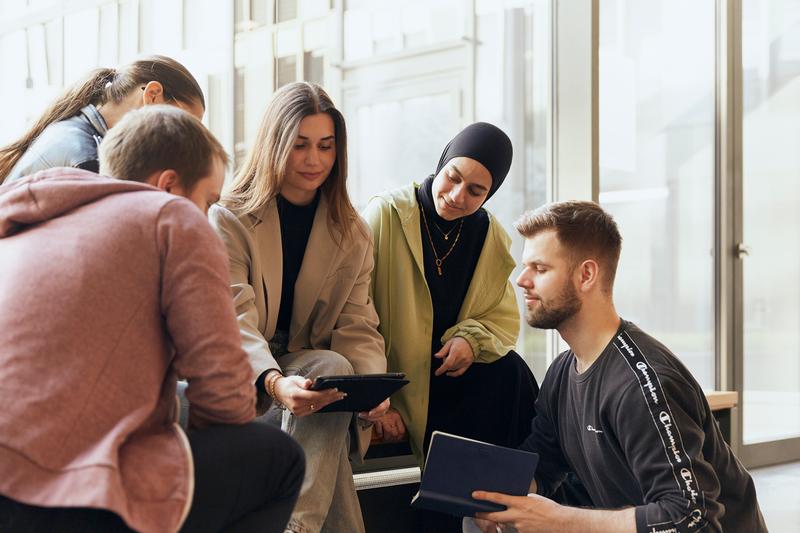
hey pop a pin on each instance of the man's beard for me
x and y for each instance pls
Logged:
(552, 314)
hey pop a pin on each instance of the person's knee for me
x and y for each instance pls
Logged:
(331, 363)
(286, 456)
(511, 360)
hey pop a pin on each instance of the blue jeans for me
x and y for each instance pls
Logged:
(328, 501)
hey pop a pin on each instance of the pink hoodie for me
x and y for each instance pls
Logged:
(109, 290)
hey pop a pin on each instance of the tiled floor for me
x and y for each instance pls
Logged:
(778, 489)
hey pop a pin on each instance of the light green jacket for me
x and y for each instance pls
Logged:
(489, 316)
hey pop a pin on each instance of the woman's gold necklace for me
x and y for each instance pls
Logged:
(433, 247)
(447, 234)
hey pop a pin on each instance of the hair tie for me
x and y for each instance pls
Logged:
(111, 77)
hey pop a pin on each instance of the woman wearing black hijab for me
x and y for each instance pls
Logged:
(447, 309)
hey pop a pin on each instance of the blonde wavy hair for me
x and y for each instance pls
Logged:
(261, 177)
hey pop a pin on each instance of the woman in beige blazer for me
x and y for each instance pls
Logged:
(301, 261)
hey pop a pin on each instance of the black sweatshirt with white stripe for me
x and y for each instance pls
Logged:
(637, 430)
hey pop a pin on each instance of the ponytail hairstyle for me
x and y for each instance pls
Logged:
(105, 85)
(261, 177)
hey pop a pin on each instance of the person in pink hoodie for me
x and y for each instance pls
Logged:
(110, 290)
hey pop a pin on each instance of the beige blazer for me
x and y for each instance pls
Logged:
(332, 307)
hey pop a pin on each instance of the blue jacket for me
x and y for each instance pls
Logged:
(72, 142)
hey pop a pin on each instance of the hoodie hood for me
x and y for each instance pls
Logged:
(51, 193)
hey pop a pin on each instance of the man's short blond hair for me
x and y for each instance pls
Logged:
(160, 137)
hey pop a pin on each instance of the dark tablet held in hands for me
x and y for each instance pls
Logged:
(364, 391)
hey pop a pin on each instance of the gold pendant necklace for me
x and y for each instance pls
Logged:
(445, 235)
(436, 258)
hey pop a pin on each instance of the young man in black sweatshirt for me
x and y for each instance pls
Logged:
(618, 408)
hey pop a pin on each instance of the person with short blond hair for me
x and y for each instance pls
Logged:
(145, 149)
(147, 144)
(111, 290)
(583, 228)
(618, 408)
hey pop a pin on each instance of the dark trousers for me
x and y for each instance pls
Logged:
(247, 478)
(491, 402)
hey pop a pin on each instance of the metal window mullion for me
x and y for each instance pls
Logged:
(728, 334)
(575, 132)
(300, 66)
(468, 96)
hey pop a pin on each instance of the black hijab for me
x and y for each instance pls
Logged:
(488, 145)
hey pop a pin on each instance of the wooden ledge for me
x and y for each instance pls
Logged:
(721, 399)
(717, 400)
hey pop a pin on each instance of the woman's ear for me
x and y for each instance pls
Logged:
(153, 93)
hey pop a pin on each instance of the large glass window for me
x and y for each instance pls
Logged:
(239, 117)
(382, 27)
(407, 75)
(285, 70)
(108, 53)
(412, 85)
(285, 10)
(128, 33)
(249, 14)
(293, 45)
(657, 135)
(13, 88)
(771, 190)
(162, 26)
(80, 43)
(54, 43)
(398, 140)
(314, 67)
(512, 90)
